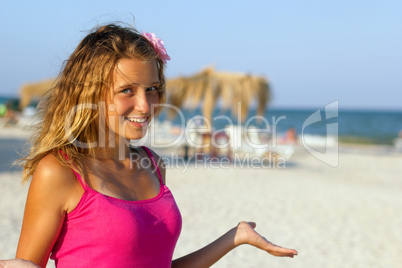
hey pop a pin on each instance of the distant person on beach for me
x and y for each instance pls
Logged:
(93, 200)
(10, 116)
(291, 137)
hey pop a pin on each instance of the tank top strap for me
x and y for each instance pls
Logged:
(151, 156)
(77, 175)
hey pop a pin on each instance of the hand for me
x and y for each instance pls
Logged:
(17, 263)
(245, 234)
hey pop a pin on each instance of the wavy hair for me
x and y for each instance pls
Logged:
(85, 79)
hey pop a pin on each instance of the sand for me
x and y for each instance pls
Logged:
(347, 216)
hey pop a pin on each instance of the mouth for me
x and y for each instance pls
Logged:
(138, 121)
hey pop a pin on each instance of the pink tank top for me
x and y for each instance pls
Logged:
(104, 231)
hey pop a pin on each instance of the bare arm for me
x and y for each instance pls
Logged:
(50, 196)
(243, 233)
(17, 263)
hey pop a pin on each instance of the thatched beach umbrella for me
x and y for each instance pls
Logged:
(209, 86)
(31, 91)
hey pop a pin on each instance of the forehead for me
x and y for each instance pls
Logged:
(135, 71)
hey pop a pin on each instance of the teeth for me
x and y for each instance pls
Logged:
(137, 120)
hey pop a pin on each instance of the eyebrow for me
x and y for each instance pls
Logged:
(122, 86)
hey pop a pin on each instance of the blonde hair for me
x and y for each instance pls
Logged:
(85, 79)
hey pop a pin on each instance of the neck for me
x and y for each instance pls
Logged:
(119, 151)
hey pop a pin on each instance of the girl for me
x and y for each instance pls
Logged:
(91, 201)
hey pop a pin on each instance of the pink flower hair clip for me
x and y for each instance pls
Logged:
(158, 45)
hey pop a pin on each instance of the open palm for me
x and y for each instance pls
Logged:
(247, 235)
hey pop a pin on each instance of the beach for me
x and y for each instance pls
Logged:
(343, 216)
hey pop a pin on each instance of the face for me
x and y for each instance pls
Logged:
(134, 91)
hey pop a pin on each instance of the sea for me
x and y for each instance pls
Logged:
(353, 126)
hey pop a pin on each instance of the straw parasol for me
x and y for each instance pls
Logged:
(208, 86)
(31, 91)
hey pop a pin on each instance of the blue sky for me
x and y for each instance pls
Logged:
(313, 52)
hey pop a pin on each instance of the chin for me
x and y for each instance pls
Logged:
(135, 135)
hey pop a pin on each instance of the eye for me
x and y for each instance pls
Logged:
(126, 91)
(152, 89)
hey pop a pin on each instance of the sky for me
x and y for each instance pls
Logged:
(313, 52)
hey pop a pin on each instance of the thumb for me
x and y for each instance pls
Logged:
(252, 224)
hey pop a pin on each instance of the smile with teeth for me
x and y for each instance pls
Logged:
(137, 120)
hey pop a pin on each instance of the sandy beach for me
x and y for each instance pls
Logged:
(344, 216)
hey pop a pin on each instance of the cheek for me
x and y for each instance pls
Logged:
(153, 99)
(121, 107)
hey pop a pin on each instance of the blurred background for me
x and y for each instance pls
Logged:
(312, 52)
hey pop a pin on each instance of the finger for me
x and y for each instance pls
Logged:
(277, 254)
(270, 247)
(252, 224)
(283, 254)
(290, 252)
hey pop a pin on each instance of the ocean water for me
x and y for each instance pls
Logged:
(354, 126)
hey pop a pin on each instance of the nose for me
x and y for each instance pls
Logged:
(141, 102)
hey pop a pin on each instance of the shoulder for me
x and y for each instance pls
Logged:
(49, 165)
(160, 162)
(50, 196)
(51, 172)
(54, 181)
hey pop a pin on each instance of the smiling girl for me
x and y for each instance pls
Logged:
(88, 205)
